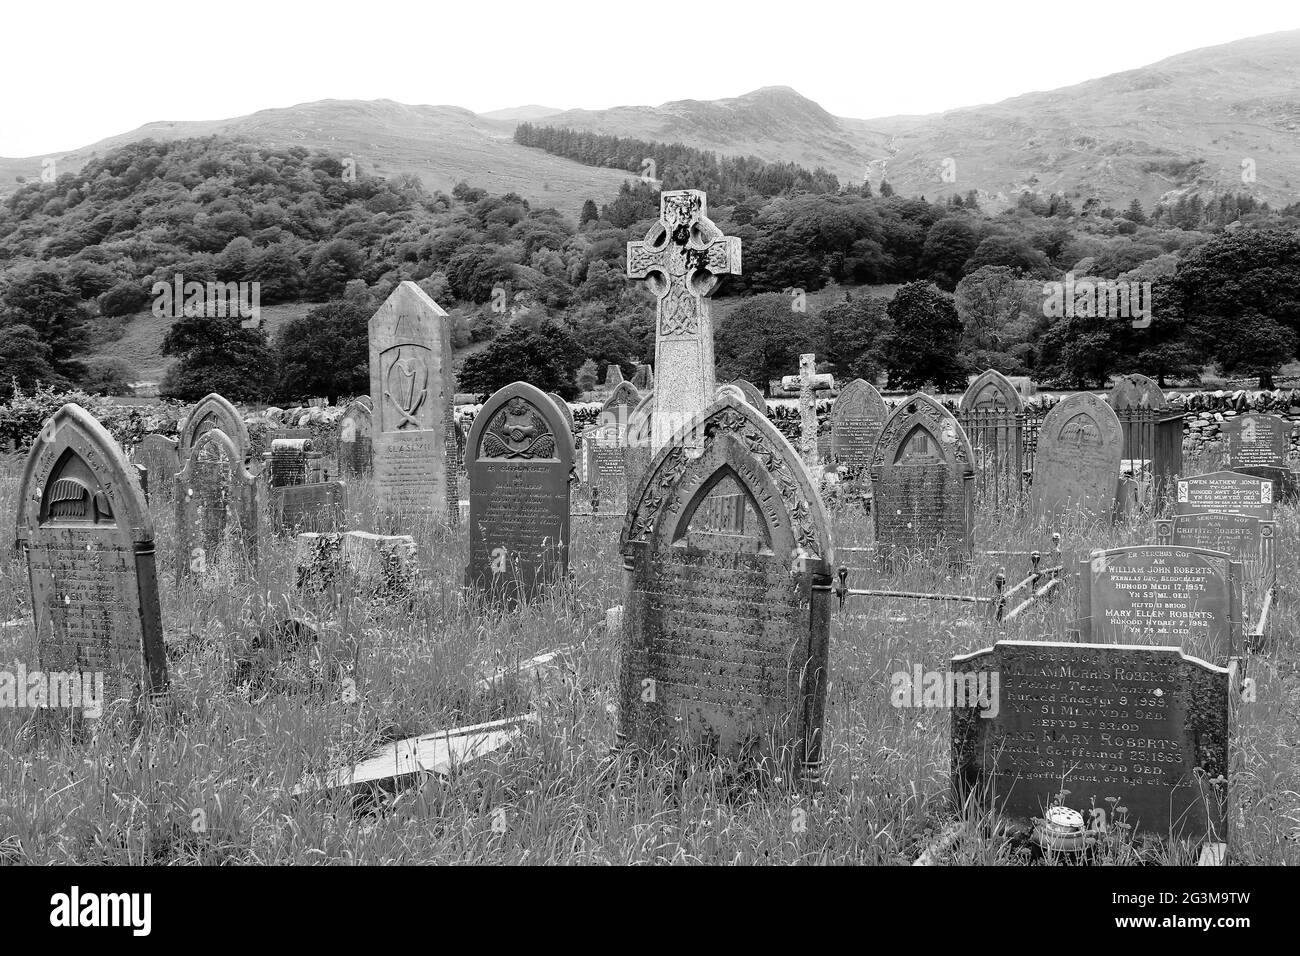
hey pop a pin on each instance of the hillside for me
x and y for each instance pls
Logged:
(1184, 123)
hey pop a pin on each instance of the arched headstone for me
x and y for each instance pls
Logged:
(725, 637)
(994, 391)
(752, 394)
(161, 459)
(922, 484)
(1076, 464)
(564, 408)
(856, 418)
(214, 411)
(89, 541)
(216, 508)
(992, 413)
(518, 455)
(1136, 391)
(356, 433)
(618, 407)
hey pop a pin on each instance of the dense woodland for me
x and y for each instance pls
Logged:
(542, 298)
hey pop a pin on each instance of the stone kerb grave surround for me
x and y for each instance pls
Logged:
(86, 532)
(519, 456)
(725, 637)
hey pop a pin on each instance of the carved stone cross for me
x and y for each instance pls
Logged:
(808, 382)
(683, 259)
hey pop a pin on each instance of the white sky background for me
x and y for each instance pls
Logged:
(77, 72)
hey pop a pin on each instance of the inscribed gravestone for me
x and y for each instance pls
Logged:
(216, 508)
(294, 461)
(161, 458)
(725, 638)
(1256, 440)
(1245, 537)
(1225, 492)
(1076, 465)
(519, 456)
(1146, 725)
(922, 484)
(683, 259)
(320, 506)
(415, 440)
(213, 411)
(1158, 594)
(355, 440)
(89, 542)
(856, 419)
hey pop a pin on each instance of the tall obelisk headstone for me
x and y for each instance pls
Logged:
(683, 259)
(411, 386)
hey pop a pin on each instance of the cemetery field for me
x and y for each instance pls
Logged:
(222, 771)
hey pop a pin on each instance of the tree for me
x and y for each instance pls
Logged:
(854, 334)
(1240, 294)
(42, 301)
(991, 303)
(332, 266)
(589, 213)
(546, 357)
(106, 377)
(217, 355)
(762, 339)
(1014, 252)
(948, 244)
(923, 348)
(25, 359)
(123, 299)
(326, 352)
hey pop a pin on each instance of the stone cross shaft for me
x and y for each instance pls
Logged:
(682, 259)
(808, 382)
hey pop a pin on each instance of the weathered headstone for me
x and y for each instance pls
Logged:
(293, 461)
(752, 394)
(1157, 594)
(415, 450)
(1224, 492)
(1152, 430)
(216, 508)
(856, 419)
(161, 458)
(922, 484)
(683, 259)
(644, 379)
(808, 382)
(1101, 727)
(213, 411)
(613, 376)
(1076, 465)
(565, 410)
(992, 390)
(89, 542)
(1136, 391)
(519, 456)
(725, 638)
(1245, 537)
(320, 506)
(992, 412)
(356, 440)
(379, 566)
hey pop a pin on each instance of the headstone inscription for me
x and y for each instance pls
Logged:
(216, 509)
(725, 638)
(857, 417)
(683, 259)
(1163, 595)
(161, 458)
(89, 542)
(1140, 728)
(922, 485)
(1224, 492)
(213, 411)
(1245, 537)
(415, 441)
(1076, 465)
(355, 440)
(808, 382)
(1260, 445)
(519, 456)
(293, 461)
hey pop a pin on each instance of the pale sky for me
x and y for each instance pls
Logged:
(74, 73)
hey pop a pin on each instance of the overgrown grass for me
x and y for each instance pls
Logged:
(210, 776)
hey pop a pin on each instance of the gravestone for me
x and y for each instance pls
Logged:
(293, 461)
(1248, 539)
(808, 382)
(1225, 492)
(617, 409)
(1261, 445)
(355, 440)
(161, 458)
(89, 542)
(644, 379)
(640, 438)
(1152, 429)
(606, 468)
(752, 394)
(565, 410)
(1076, 465)
(725, 638)
(321, 506)
(994, 391)
(519, 455)
(379, 566)
(1142, 728)
(613, 376)
(213, 411)
(683, 259)
(216, 509)
(1136, 391)
(415, 444)
(922, 484)
(992, 413)
(857, 416)
(1163, 595)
